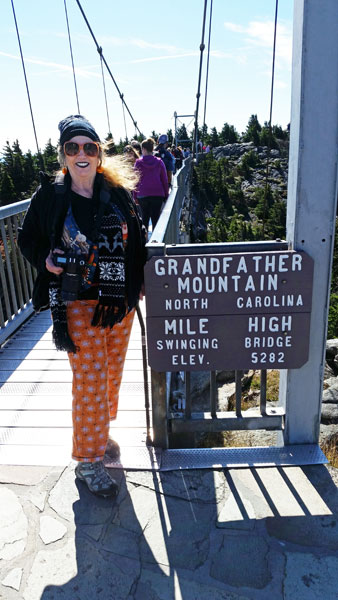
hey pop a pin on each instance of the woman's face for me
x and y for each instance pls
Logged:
(81, 166)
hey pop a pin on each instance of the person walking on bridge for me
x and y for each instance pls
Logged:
(152, 189)
(161, 151)
(83, 234)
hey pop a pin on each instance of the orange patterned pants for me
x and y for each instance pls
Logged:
(97, 372)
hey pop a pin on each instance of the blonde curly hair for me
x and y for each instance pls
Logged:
(117, 169)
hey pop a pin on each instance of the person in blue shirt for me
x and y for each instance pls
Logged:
(168, 159)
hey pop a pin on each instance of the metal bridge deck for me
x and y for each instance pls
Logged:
(36, 400)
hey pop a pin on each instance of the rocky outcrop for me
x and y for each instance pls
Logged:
(238, 149)
(278, 166)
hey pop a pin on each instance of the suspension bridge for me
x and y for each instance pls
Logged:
(35, 397)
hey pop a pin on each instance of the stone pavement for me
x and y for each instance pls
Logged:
(226, 534)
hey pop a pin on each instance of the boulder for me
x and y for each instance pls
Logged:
(329, 413)
(330, 394)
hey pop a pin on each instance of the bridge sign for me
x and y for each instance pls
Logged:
(229, 311)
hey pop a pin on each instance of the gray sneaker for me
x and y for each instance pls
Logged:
(97, 478)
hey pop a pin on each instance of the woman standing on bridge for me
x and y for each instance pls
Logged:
(84, 236)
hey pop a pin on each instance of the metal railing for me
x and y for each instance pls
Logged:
(177, 428)
(16, 275)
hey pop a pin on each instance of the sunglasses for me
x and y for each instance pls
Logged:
(89, 148)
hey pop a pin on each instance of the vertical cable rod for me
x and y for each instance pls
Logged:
(270, 114)
(207, 75)
(202, 46)
(104, 90)
(124, 119)
(187, 412)
(71, 56)
(25, 76)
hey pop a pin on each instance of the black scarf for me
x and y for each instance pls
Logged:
(112, 305)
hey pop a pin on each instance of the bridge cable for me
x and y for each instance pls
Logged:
(104, 90)
(72, 58)
(125, 124)
(27, 88)
(202, 46)
(270, 115)
(207, 75)
(107, 66)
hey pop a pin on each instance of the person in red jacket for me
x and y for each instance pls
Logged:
(152, 189)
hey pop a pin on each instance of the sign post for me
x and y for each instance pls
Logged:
(312, 198)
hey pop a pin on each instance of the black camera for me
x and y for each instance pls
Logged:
(72, 265)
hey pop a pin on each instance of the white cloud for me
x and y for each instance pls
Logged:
(166, 57)
(234, 27)
(51, 65)
(260, 34)
(143, 44)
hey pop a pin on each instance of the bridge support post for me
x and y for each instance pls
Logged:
(159, 409)
(312, 195)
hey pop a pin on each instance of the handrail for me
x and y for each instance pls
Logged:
(167, 227)
(16, 275)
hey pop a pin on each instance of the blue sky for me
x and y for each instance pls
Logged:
(152, 49)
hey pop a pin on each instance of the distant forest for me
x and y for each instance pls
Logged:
(19, 171)
(235, 199)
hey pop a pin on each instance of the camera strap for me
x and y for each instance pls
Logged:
(60, 190)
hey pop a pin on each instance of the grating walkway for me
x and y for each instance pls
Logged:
(36, 399)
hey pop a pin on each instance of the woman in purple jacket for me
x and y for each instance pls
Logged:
(152, 189)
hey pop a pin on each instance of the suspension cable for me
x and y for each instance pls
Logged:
(270, 115)
(107, 66)
(124, 119)
(202, 46)
(71, 56)
(207, 75)
(104, 90)
(27, 88)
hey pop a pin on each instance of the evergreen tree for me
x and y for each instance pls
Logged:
(7, 190)
(204, 133)
(248, 162)
(18, 175)
(252, 131)
(31, 173)
(182, 134)
(280, 133)
(237, 228)
(265, 201)
(218, 224)
(7, 158)
(276, 224)
(170, 137)
(214, 139)
(50, 157)
(267, 138)
(228, 134)
(237, 199)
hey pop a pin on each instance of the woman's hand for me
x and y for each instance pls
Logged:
(50, 266)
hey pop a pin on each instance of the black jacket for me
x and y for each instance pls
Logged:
(42, 229)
